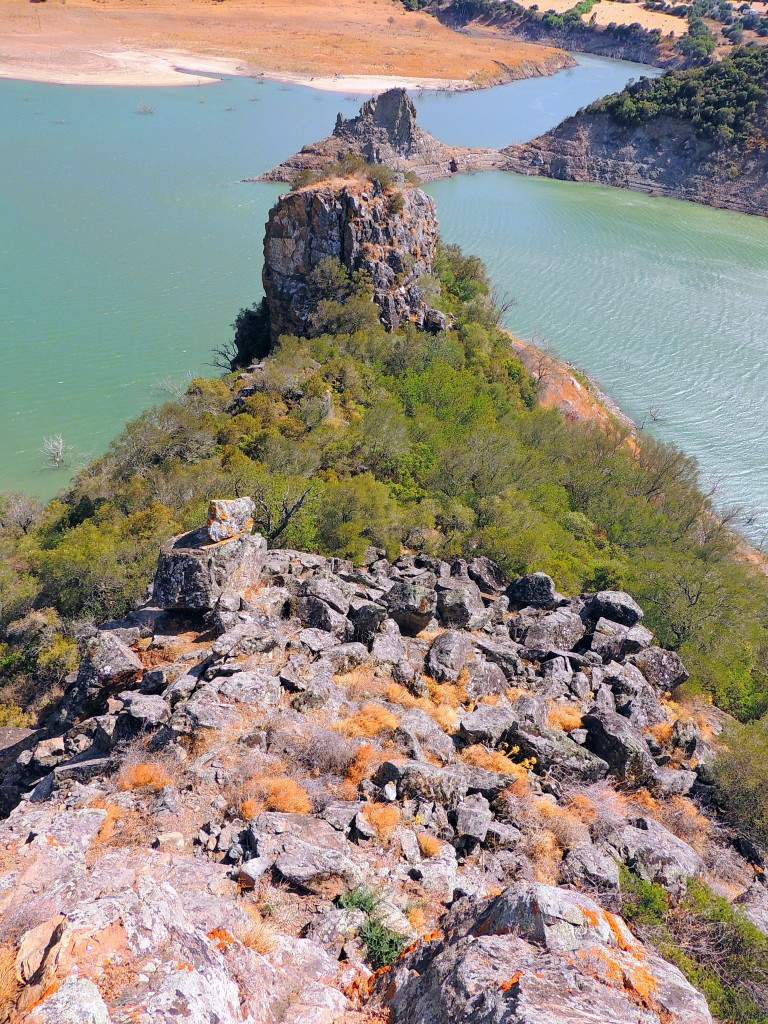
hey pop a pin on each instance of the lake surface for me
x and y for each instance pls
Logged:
(128, 244)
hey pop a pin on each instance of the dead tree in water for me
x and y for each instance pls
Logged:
(55, 451)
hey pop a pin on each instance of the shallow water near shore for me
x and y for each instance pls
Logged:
(129, 243)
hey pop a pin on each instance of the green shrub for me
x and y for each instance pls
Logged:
(363, 897)
(642, 903)
(741, 776)
(382, 945)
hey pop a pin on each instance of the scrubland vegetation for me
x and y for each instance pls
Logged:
(408, 439)
(726, 101)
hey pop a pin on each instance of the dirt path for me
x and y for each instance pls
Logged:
(145, 41)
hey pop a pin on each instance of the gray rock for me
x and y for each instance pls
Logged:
(316, 614)
(656, 855)
(332, 928)
(366, 617)
(592, 866)
(663, 669)
(192, 573)
(418, 730)
(443, 786)
(614, 605)
(484, 679)
(608, 639)
(534, 590)
(505, 654)
(459, 603)
(412, 606)
(108, 666)
(228, 518)
(473, 817)
(613, 738)
(141, 712)
(558, 631)
(487, 575)
(686, 736)
(448, 656)
(556, 752)
(634, 696)
(753, 903)
(488, 723)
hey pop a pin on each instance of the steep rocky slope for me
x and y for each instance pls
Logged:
(663, 157)
(285, 771)
(390, 236)
(385, 132)
(696, 135)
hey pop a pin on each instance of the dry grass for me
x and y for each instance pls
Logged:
(582, 807)
(369, 721)
(121, 827)
(384, 817)
(266, 793)
(661, 732)
(10, 986)
(492, 760)
(444, 714)
(564, 716)
(148, 776)
(283, 36)
(362, 763)
(257, 934)
(429, 845)
(361, 682)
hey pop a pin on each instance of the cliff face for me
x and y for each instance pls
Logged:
(664, 156)
(392, 236)
(385, 132)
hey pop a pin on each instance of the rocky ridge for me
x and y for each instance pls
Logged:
(283, 759)
(385, 132)
(662, 157)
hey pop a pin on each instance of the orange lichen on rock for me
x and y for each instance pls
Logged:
(507, 985)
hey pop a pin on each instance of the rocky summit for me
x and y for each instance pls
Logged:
(390, 236)
(385, 132)
(293, 789)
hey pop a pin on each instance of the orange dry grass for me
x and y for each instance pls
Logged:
(10, 986)
(384, 817)
(582, 807)
(273, 794)
(564, 716)
(444, 714)
(281, 36)
(492, 760)
(145, 775)
(361, 764)
(430, 846)
(371, 720)
(258, 934)
(545, 854)
(661, 732)
(361, 682)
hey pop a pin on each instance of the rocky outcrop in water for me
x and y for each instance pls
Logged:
(664, 156)
(264, 786)
(389, 235)
(385, 132)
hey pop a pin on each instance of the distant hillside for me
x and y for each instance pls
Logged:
(698, 134)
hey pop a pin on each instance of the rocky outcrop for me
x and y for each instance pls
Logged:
(294, 765)
(385, 132)
(664, 156)
(389, 235)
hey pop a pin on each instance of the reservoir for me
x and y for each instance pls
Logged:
(129, 243)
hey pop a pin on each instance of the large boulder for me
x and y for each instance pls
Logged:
(412, 606)
(361, 227)
(663, 669)
(613, 738)
(459, 603)
(614, 605)
(656, 855)
(560, 630)
(192, 572)
(534, 590)
(448, 656)
(538, 955)
(108, 666)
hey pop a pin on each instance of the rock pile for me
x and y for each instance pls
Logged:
(284, 762)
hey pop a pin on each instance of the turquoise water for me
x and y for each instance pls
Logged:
(128, 244)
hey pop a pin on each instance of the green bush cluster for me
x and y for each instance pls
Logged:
(715, 946)
(382, 945)
(726, 101)
(430, 441)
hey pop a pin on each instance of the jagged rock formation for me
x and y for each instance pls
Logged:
(665, 156)
(385, 132)
(390, 235)
(326, 726)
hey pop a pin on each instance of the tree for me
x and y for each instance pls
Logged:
(55, 451)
